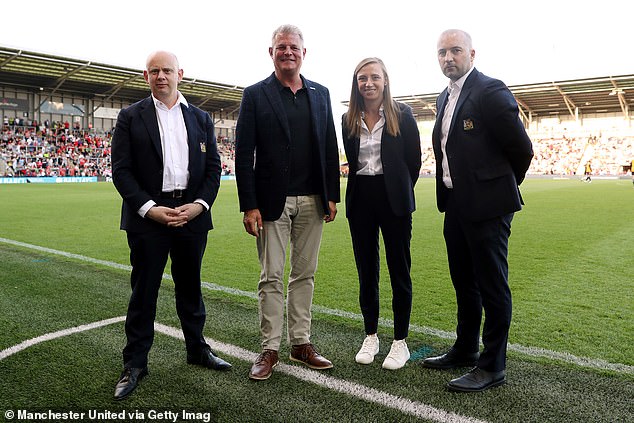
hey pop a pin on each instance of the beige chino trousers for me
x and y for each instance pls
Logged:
(301, 224)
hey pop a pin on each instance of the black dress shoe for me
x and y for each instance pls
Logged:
(451, 360)
(207, 358)
(128, 381)
(477, 380)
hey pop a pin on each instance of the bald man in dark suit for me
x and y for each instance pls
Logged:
(482, 154)
(166, 167)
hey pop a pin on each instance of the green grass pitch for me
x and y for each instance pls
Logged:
(570, 354)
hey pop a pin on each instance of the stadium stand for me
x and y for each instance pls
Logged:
(570, 122)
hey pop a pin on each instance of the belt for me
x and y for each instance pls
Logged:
(177, 193)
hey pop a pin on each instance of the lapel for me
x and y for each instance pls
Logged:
(440, 112)
(192, 134)
(444, 96)
(315, 102)
(353, 148)
(464, 94)
(148, 115)
(272, 92)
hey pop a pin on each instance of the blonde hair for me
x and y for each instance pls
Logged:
(287, 29)
(391, 110)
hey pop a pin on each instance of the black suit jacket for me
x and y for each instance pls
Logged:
(401, 160)
(263, 147)
(487, 148)
(137, 163)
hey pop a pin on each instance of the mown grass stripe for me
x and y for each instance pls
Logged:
(356, 390)
(365, 393)
(595, 363)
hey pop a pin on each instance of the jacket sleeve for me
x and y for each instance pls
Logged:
(245, 153)
(332, 157)
(124, 168)
(411, 139)
(507, 128)
(210, 184)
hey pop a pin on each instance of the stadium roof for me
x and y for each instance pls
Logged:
(55, 74)
(610, 94)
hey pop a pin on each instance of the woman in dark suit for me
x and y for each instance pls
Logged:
(383, 150)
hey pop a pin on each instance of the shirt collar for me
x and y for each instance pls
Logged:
(180, 100)
(381, 112)
(281, 87)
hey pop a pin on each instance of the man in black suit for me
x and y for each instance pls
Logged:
(482, 154)
(166, 167)
(287, 173)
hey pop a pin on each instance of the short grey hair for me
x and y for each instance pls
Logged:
(287, 29)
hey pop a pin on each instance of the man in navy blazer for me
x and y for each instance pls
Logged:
(482, 154)
(166, 168)
(287, 173)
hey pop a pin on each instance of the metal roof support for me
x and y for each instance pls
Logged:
(10, 58)
(215, 95)
(569, 103)
(527, 118)
(60, 81)
(624, 106)
(621, 96)
(116, 89)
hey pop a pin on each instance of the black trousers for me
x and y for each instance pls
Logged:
(477, 254)
(370, 213)
(149, 252)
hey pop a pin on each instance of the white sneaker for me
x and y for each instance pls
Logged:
(368, 350)
(398, 356)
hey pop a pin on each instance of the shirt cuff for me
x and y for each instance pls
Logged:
(146, 207)
(202, 203)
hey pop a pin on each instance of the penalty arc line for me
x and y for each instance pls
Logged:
(595, 363)
(353, 389)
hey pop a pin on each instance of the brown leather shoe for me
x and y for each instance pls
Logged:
(263, 366)
(307, 354)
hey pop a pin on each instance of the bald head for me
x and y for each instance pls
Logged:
(163, 56)
(463, 36)
(163, 75)
(455, 53)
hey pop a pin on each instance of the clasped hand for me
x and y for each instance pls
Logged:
(175, 217)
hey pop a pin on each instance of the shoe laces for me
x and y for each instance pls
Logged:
(397, 347)
(307, 351)
(266, 355)
(369, 345)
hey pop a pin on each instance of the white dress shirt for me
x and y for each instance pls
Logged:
(175, 148)
(174, 142)
(369, 160)
(454, 90)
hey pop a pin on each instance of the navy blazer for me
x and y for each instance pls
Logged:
(137, 163)
(400, 158)
(263, 147)
(488, 149)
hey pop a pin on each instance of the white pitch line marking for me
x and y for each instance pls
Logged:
(594, 363)
(49, 336)
(353, 389)
(362, 392)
